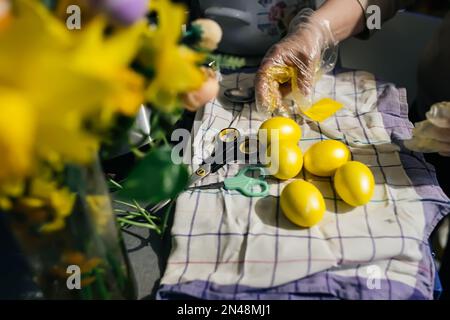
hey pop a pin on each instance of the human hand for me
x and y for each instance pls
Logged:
(293, 64)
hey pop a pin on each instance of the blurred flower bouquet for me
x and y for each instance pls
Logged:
(66, 92)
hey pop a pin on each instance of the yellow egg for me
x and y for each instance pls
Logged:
(302, 203)
(284, 129)
(323, 158)
(354, 183)
(288, 163)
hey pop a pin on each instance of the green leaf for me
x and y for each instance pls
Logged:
(227, 62)
(155, 178)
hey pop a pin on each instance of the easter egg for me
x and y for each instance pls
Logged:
(324, 158)
(287, 162)
(302, 203)
(280, 128)
(354, 183)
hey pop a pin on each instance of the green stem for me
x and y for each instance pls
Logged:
(126, 204)
(100, 282)
(166, 218)
(121, 279)
(86, 293)
(164, 138)
(138, 153)
(128, 212)
(116, 184)
(139, 224)
(145, 214)
(134, 214)
(130, 216)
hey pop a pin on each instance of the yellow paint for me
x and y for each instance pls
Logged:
(322, 109)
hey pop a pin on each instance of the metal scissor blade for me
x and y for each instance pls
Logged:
(216, 185)
(160, 205)
(193, 180)
(200, 173)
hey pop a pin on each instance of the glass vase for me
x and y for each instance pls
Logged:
(85, 258)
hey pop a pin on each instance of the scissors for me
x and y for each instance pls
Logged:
(230, 147)
(248, 186)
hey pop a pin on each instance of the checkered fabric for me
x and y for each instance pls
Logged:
(228, 246)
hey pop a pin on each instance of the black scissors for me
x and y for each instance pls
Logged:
(230, 147)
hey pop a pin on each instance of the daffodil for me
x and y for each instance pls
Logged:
(46, 196)
(17, 129)
(45, 206)
(129, 97)
(53, 80)
(175, 66)
(53, 83)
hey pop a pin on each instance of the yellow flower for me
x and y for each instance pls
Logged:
(17, 129)
(11, 188)
(59, 200)
(176, 66)
(55, 80)
(53, 226)
(128, 100)
(5, 203)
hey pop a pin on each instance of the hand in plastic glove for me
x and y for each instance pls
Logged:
(433, 134)
(292, 64)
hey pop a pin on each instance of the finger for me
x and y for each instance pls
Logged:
(303, 74)
(305, 79)
(268, 95)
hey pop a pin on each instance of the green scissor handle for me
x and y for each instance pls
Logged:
(246, 185)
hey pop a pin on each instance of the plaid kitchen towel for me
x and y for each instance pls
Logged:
(228, 246)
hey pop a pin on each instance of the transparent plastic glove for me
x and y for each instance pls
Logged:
(433, 134)
(293, 64)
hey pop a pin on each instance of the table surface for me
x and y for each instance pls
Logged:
(148, 253)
